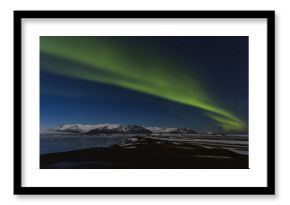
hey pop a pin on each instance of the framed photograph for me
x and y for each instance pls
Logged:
(144, 102)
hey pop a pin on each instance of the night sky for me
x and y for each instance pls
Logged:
(194, 82)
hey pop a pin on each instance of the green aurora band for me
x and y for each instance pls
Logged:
(118, 63)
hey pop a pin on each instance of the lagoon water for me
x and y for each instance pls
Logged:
(52, 144)
(64, 143)
(136, 151)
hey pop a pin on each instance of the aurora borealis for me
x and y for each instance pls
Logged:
(174, 69)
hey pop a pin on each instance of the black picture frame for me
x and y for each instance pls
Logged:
(269, 189)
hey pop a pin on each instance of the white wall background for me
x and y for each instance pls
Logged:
(282, 98)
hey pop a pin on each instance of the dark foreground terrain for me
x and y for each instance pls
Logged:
(148, 153)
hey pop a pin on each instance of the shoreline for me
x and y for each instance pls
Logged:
(146, 153)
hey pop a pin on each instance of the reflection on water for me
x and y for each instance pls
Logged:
(51, 144)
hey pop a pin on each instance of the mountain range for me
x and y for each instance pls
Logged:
(113, 129)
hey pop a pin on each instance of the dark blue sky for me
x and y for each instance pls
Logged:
(222, 64)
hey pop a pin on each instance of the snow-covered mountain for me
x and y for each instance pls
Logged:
(96, 129)
(161, 130)
(113, 129)
(128, 129)
(81, 129)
